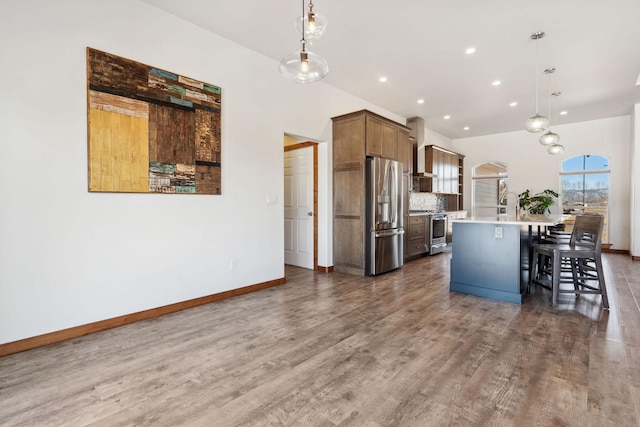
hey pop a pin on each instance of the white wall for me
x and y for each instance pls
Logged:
(530, 167)
(634, 177)
(69, 257)
(432, 138)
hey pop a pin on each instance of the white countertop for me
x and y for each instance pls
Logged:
(526, 219)
(417, 213)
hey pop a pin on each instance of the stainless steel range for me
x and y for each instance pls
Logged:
(437, 233)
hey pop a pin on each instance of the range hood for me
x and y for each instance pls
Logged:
(416, 136)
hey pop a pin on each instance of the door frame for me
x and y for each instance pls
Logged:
(314, 145)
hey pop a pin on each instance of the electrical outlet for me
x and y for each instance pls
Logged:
(233, 265)
(497, 232)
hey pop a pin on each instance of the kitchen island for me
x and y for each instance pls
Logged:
(490, 255)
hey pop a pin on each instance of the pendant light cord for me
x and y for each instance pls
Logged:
(303, 39)
(535, 71)
(550, 98)
(555, 106)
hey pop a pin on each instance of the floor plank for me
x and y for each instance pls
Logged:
(328, 349)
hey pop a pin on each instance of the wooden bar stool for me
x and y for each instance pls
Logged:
(582, 254)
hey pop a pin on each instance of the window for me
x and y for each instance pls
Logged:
(585, 188)
(489, 191)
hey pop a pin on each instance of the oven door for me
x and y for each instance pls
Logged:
(438, 234)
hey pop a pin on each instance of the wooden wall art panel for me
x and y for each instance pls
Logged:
(151, 130)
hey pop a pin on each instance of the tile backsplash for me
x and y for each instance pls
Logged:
(425, 201)
(420, 201)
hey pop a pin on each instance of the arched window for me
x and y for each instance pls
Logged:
(585, 188)
(489, 190)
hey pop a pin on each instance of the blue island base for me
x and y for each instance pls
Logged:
(487, 260)
(486, 292)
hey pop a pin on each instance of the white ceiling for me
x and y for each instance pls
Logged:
(420, 46)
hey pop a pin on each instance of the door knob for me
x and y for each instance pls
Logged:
(310, 213)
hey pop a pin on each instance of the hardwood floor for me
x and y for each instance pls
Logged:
(328, 349)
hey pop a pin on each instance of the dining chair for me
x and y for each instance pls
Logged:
(581, 257)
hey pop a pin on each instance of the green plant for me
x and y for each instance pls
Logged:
(538, 203)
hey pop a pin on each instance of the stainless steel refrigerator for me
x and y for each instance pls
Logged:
(384, 228)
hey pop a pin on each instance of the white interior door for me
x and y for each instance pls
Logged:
(298, 207)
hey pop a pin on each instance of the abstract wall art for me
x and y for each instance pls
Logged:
(151, 130)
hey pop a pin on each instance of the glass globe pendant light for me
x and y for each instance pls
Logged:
(311, 25)
(555, 148)
(549, 137)
(304, 66)
(537, 123)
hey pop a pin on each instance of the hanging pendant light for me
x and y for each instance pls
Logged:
(556, 148)
(304, 66)
(549, 137)
(312, 25)
(537, 123)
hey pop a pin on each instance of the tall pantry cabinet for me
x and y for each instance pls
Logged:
(356, 136)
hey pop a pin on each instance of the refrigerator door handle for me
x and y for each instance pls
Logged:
(394, 195)
(389, 233)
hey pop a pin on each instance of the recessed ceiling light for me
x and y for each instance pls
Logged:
(382, 79)
(513, 104)
(496, 83)
(420, 101)
(470, 50)
(466, 128)
(563, 113)
(447, 117)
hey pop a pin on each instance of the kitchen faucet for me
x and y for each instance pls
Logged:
(505, 196)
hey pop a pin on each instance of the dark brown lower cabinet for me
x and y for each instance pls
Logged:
(417, 235)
